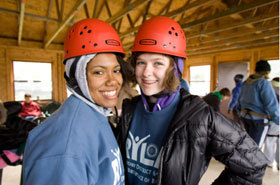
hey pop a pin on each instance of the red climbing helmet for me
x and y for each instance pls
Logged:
(161, 35)
(91, 36)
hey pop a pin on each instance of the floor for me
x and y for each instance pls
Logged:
(11, 175)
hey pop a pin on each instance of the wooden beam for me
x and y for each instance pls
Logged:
(62, 10)
(235, 40)
(238, 45)
(100, 9)
(187, 7)
(236, 25)
(232, 10)
(248, 46)
(241, 33)
(108, 8)
(21, 20)
(86, 10)
(95, 8)
(65, 22)
(57, 9)
(125, 11)
(46, 23)
(31, 15)
(146, 11)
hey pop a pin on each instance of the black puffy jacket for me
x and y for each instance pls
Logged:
(196, 134)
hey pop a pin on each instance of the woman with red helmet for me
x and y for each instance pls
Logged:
(76, 144)
(168, 136)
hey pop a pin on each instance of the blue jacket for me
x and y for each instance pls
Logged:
(257, 94)
(75, 146)
(234, 97)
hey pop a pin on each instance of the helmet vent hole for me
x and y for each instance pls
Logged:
(85, 27)
(172, 28)
(164, 45)
(81, 33)
(174, 47)
(83, 46)
(170, 32)
(169, 42)
(89, 31)
(67, 51)
(176, 34)
(95, 44)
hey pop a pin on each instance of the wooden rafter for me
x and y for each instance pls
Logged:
(236, 25)
(57, 9)
(48, 14)
(191, 6)
(86, 10)
(100, 9)
(108, 8)
(235, 40)
(31, 15)
(125, 11)
(21, 20)
(165, 8)
(231, 11)
(146, 11)
(62, 10)
(246, 45)
(95, 8)
(67, 20)
(241, 33)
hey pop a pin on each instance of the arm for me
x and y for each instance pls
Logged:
(269, 101)
(234, 97)
(245, 163)
(62, 170)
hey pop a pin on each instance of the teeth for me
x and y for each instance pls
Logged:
(110, 93)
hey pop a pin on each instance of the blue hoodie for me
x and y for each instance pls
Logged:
(257, 94)
(234, 97)
(75, 146)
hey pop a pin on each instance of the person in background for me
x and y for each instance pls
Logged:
(30, 109)
(271, 144)
(13, 133)
(238, 79)
(76, 145)
(214, 98)
(168, 136)
(257, 103)
(235, 93)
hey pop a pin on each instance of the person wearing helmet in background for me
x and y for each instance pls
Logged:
(257, 103)
(76, 144)
(168, 136)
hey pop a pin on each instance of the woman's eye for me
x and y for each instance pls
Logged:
(98, 72)
(139, 63)
(158, 63)
(117, 71)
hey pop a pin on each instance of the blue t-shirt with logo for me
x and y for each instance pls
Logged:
(145, 140)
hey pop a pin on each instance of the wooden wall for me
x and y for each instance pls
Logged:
(251, 55)
(8, 54)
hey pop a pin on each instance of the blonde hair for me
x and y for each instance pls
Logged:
(3, 113)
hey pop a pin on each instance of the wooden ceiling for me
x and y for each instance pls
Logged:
(210, 25)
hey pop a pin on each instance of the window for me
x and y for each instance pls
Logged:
(275, 68)
(200, 80)
(34, 78)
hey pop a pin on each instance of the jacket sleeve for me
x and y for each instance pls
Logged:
(269, 100)
(62, 170)
(244, 162)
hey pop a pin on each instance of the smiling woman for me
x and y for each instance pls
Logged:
(104, 79)
(87, 149)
